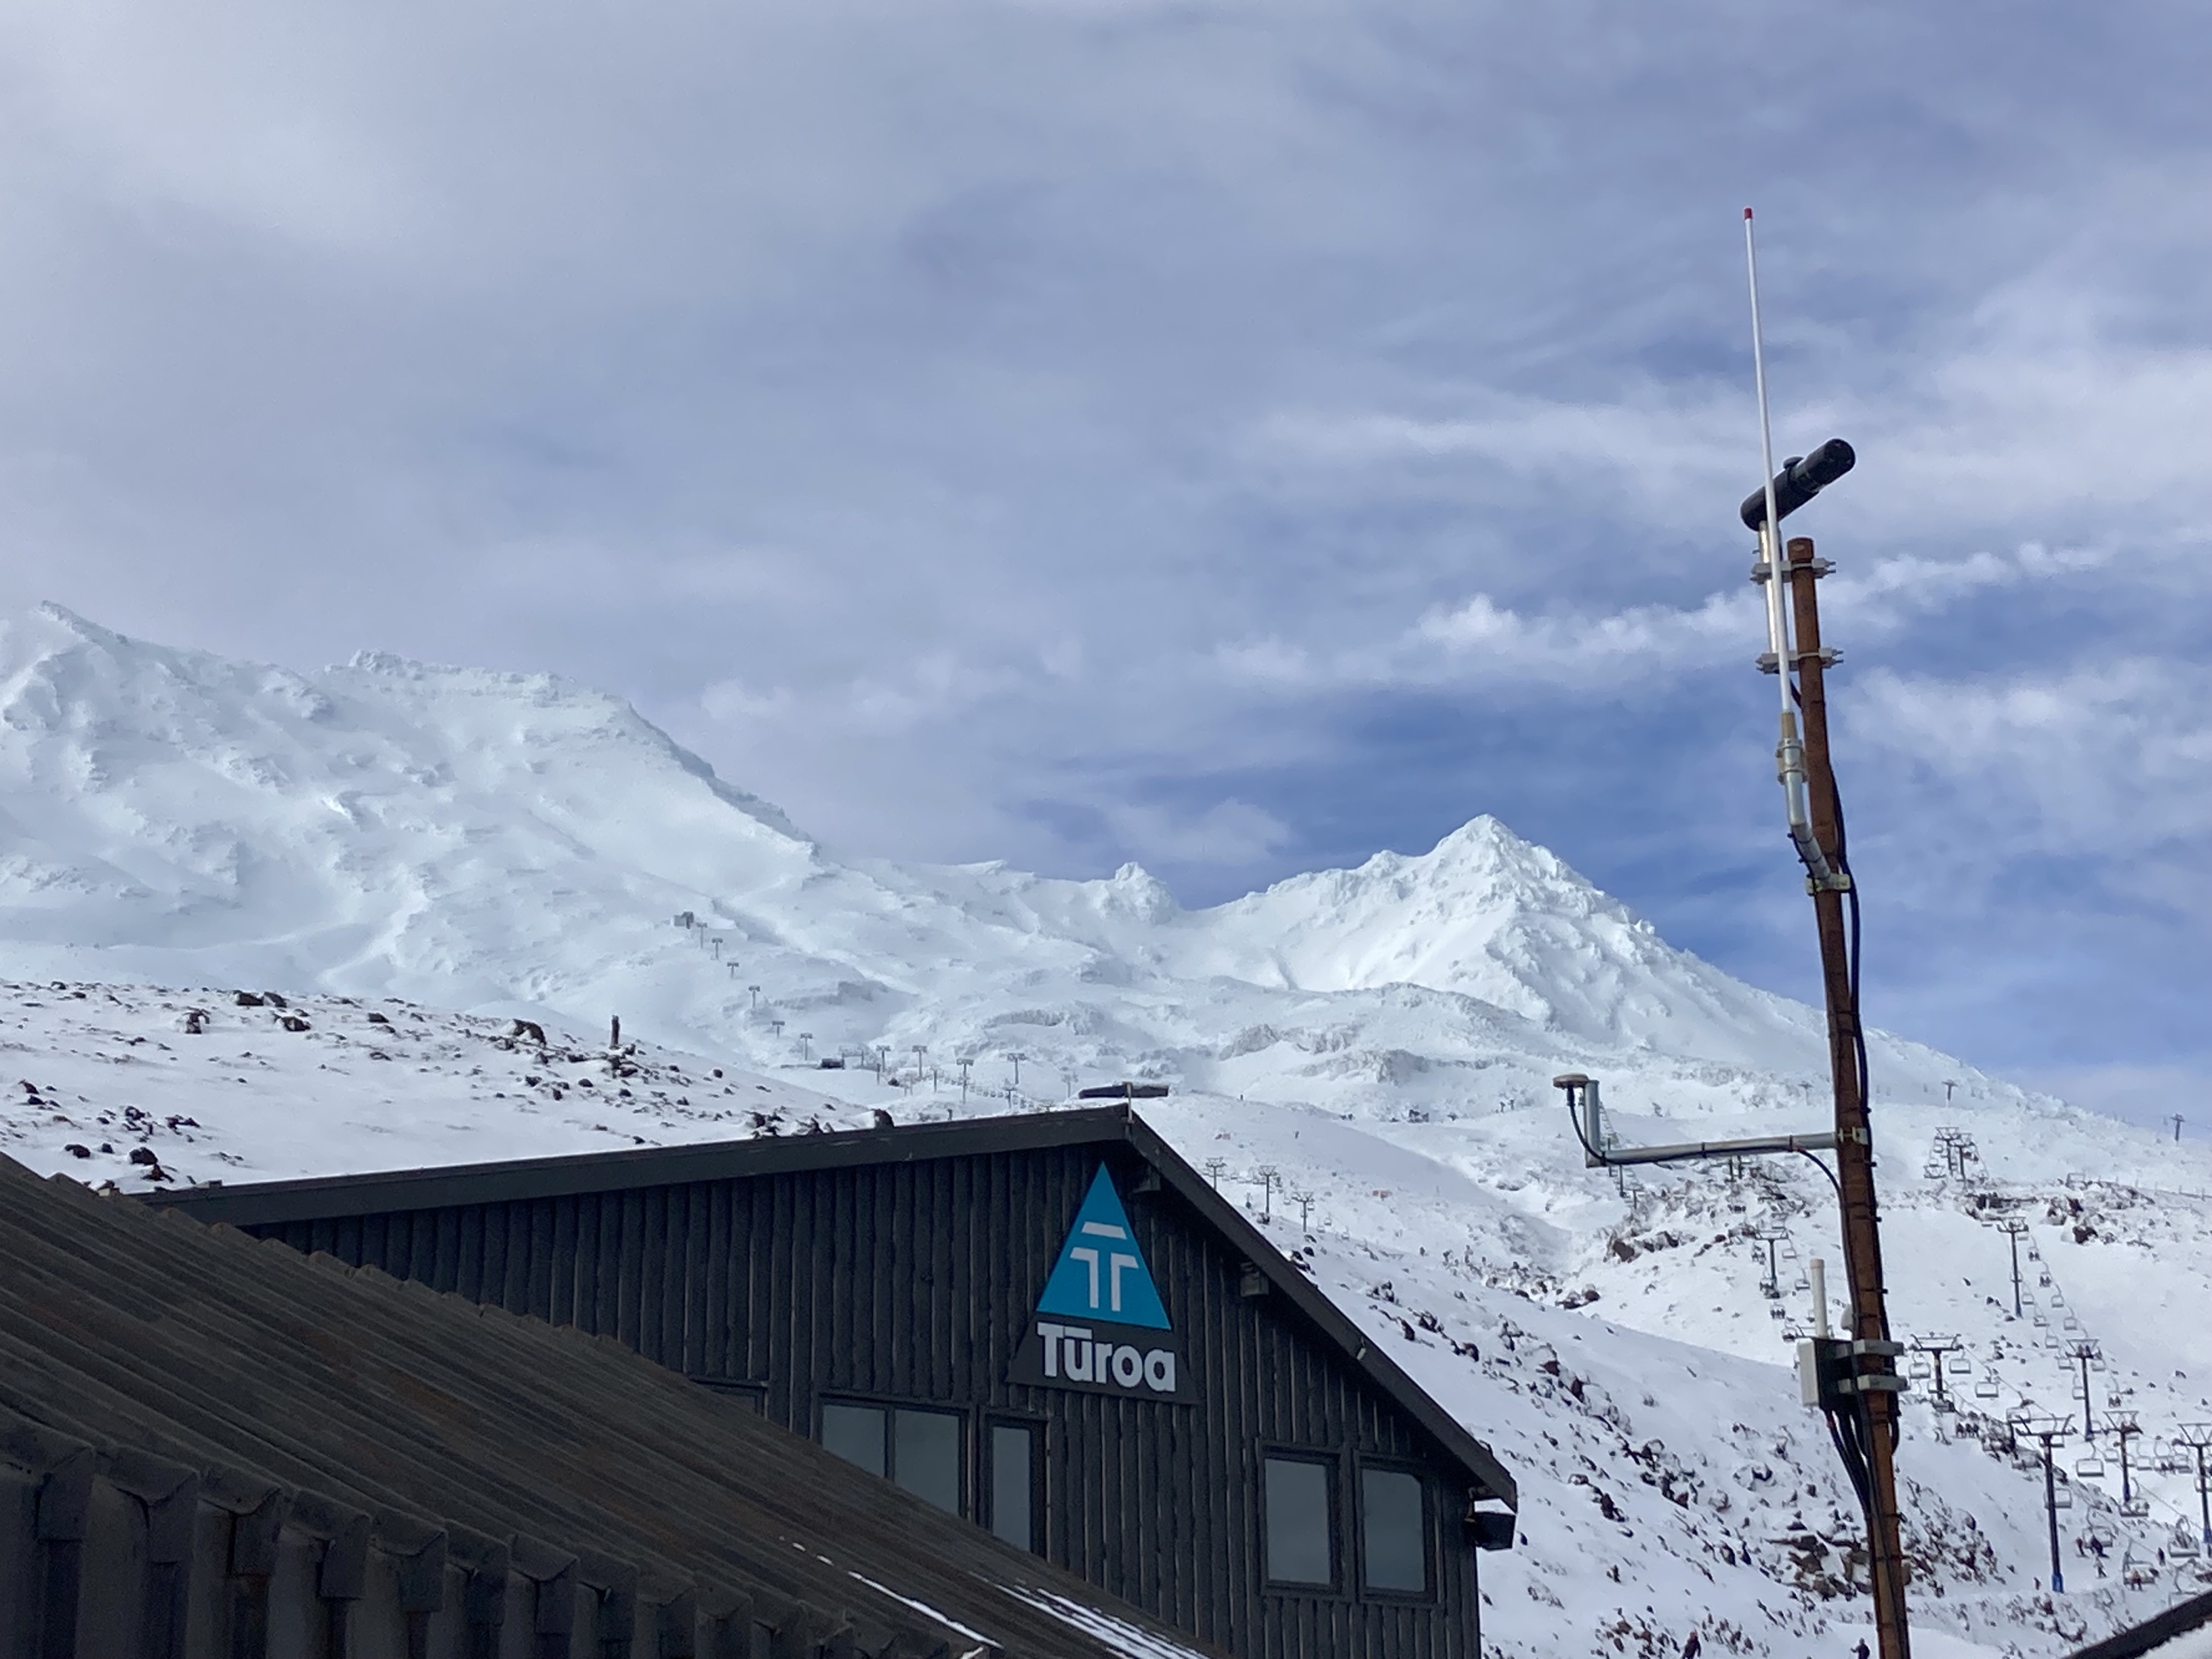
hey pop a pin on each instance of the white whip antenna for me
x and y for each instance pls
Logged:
(1789, 752)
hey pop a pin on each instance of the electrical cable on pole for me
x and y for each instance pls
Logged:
(1853, 1379)
(1863, 1416)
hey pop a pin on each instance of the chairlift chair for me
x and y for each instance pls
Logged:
(1959, 1365)
(2062, 1497)
(1986, 1389)
(2089, 1468)
(2183, 1544)
(2043, 1279)
(2134, 1509)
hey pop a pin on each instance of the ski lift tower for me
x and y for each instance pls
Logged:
(1936, 1348)
(2123, 1426)
(2051, 1430)
(2086, 1353)
(2015, 1229)
(2196, 1438)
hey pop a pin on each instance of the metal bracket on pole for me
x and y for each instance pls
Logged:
(1833, 1371)
(1828, 656)
(1583, 1101)
(1817, 567)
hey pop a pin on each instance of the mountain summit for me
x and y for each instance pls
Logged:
(513, 841)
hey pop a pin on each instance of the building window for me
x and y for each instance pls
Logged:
(925, 1455)
(1300, 1513)
(1394, 1531)
(919, 1450)
(855, 1433)
(1014, 1484)
(751, 1395)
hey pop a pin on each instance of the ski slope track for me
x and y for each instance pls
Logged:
(453, 878)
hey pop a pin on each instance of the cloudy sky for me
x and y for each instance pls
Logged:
(1236, 436)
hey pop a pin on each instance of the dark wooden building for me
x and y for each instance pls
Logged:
(1050, 1324)
(212, 1447)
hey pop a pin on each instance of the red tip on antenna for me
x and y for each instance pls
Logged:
(1746, 212)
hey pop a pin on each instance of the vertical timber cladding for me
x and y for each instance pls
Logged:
(918, 1280)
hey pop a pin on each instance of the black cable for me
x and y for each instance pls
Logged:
(1576, 1121)
(1856, 1464)
(1804, 1154)
(1855, 958)
(1847, 1454)
(1845, 1429)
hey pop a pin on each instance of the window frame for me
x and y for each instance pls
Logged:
(963, 1416)
(1331, 1461)
(826, 1403)
(987, 1475)
(1431, 1564)
(751, 1395)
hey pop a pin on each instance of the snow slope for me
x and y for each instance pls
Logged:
(418, 859)
(493, 840)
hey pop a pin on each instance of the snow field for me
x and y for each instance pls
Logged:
(426, 863)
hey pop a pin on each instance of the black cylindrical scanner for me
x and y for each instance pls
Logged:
(1802, 477)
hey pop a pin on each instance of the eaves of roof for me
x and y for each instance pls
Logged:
(2154, 1633)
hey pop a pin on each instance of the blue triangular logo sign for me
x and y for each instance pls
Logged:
(1102, 1273)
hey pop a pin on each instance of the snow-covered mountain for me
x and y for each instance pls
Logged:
(422, 861)
(499, 840)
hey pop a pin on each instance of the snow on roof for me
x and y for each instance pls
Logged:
(1103, 1626)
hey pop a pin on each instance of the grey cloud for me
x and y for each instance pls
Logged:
(904, 402)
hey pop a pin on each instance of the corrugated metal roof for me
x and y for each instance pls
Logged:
(598, 1172)
(142, 1333)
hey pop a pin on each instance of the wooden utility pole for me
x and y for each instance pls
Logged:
(1854, 1140)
